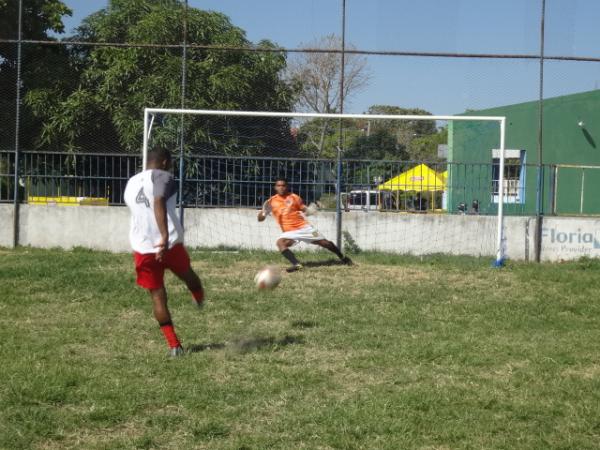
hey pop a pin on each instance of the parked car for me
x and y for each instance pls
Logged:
(365, 200)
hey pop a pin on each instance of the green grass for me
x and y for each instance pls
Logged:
(393, 353)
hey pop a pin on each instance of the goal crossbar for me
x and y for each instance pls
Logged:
(148, 112)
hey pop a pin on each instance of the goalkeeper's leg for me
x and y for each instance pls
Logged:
(333, 249)
(284, 247)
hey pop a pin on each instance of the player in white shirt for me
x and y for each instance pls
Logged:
(156, 237)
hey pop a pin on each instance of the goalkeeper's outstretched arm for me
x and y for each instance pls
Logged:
(264, 212)
(310, 209)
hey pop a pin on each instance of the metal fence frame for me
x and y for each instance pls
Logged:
(554, 187)
(214, 181)
(540, 56)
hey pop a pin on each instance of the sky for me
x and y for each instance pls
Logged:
(439, 85)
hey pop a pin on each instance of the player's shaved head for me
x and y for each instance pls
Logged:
(159, 158)
(159, 154)
(281, 180)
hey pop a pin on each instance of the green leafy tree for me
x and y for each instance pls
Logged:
(379, 144)
(394, 139)
(425, 148)
(104, 112)
(375, 139)
(404, 131)
(43, 66)
(39, 17)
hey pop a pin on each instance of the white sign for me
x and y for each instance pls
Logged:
(570, 238)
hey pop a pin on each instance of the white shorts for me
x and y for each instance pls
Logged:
(306, 234)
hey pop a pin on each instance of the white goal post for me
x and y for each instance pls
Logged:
(150, 113)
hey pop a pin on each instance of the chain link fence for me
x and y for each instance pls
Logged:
(73, 90)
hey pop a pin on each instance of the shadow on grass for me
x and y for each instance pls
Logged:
(246, 345)
(197, 348)
(326, 263)
(304, 324)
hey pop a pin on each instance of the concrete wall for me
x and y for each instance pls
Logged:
(107, 228)
(6, 224)
(99, 228)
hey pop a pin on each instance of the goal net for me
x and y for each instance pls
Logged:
(386, 183)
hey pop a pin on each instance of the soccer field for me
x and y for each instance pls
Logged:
(392, 353)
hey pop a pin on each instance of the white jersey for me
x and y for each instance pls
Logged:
(140, 192)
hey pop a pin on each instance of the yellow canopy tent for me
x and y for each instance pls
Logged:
(444, 176)
(420, 178)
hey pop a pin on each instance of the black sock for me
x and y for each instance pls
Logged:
(287, 254)
(336, 250)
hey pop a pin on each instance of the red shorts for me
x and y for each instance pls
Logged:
(150, 272)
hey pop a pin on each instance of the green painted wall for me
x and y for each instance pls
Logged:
(564, 142)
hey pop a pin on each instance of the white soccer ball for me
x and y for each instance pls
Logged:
(268, 278)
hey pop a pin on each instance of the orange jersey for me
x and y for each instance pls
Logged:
(287, 211)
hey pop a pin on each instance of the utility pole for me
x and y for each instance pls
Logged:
(18, 130)
(338, 190)
(182, 123)
(539, 218)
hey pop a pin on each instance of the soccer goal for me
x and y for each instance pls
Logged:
(390, 183)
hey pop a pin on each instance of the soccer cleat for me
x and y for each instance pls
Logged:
(176, 352)
(199, 303)
(347, 261)
(198, 299)
(294, 268)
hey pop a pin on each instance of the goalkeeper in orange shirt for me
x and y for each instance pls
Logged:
(289, 211)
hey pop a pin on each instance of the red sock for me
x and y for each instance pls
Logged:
(169, 332)
(198, 295)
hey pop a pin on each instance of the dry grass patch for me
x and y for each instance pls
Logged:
(589, 372)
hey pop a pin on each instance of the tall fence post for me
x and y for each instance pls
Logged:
(540, 187)
(17, 131)
(338, 190)
(338, 199)
(182, 124)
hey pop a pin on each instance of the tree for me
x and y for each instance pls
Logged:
(319, 138)
(317, 76)
(116, 83)
(39, 17)
(42, 66)
(376, 139)
(394, 139)
(378, 145)
(405, 131)
(319, 73)
(425, 148)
